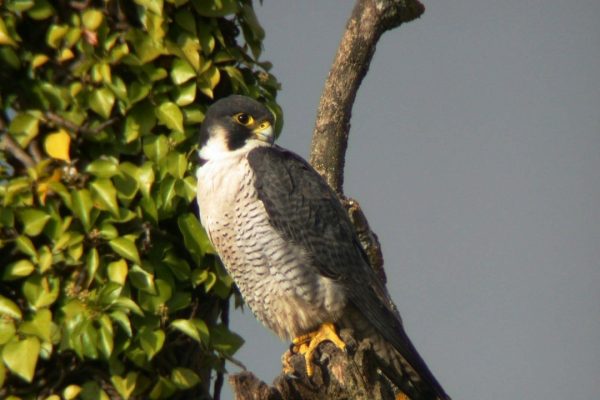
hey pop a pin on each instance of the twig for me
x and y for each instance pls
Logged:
(11, 146)
(369, 20)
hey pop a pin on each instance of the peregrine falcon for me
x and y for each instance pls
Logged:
(290, 247)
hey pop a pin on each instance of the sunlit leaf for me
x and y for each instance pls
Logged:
(17, 270)
(57, 145)
(21, 357)
(210, 8)
(125, 386)
(5, 38)
(184, 378)
(92, 19)
(9, 308)
(125, 247)
(71, 392)
(102, 101)
(105, 195)
(117, 271)
(181, 71)
(152, 341)
(39, 326)
(170, 115)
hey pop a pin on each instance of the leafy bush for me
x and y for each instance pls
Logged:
(109, 287)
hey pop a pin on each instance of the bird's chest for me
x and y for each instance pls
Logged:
(276, 277)
(235, 218)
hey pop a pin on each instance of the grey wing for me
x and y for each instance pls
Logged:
(304, 210)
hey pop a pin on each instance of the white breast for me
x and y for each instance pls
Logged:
(276, 278)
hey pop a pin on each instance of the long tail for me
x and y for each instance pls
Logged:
(403, 366)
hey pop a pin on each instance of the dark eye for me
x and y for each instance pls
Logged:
(243, 119)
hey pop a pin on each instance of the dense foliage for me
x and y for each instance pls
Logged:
(108, 285)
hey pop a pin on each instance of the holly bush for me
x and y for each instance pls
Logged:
(109, 287)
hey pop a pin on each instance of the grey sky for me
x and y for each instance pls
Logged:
(475, 153)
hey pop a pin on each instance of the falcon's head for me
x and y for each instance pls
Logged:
(233, 125)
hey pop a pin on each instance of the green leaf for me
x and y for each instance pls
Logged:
(24, 127)
(55, 34)
(5, 38)
(8, 307)
(181, 71)
(33, 221)
(186, 20)
(210, 8)
(18, 270)
(163, 389)
(103, 167)
(156, 6)
(194, 236)
(92, 391)
(126, 183)
(125, 386)
(184, 378)
(225, 341)
(142, 279)
(41, 10)
(92, 19)
(186, 326)
(194, 328)
(7, 330)
(151, 341)
(156, 148)
(169, 114)
(39, 326)
(102, 101)
(71, 392)
(175, 164)
(81, 204)
(125, 247)
(45, 259)
(89, 340)
(92, 262)
(117, 271)
(21, 357)
(123, 320)
(25, 245)
(105, 195)
(41, 291)
(105, 336)
(128, 304)
(209, 80)
(145, 178)
(154, 303)
(186, 94)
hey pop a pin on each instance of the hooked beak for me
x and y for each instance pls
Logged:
(264, 132)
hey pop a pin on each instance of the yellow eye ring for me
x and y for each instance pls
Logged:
(243, 119)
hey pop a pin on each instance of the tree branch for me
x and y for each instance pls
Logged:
(369, 20)
(338, 375)
(8, 144)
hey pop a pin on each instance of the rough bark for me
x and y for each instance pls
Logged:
(338, 375)
(369, 20)
(352, 374)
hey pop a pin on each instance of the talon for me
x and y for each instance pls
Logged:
(307, 344)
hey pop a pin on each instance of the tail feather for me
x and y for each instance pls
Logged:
(416, 381)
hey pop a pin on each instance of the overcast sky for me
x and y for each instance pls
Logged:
(475, 153)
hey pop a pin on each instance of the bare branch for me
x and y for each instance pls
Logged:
(338, 375)
(369, 20)
(11, 146)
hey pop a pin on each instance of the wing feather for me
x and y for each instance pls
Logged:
(306, 211)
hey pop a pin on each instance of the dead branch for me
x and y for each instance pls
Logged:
(369, 20)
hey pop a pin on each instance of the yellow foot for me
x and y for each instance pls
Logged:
(307, 344)
(401, 396)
